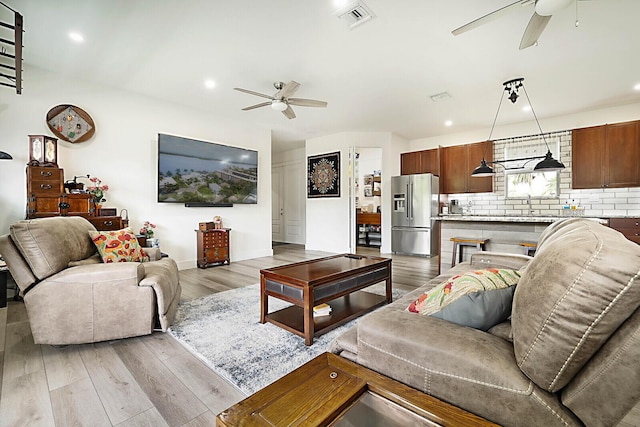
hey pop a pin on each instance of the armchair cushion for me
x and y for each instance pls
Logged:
(48, 245)
(118, 246)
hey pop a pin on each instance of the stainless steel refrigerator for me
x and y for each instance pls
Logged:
(415, 203)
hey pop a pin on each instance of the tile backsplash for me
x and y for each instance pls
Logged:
(604, 202)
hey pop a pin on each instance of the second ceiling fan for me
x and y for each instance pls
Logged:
(281, 100)
(544, 9)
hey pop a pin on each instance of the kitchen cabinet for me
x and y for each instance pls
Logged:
(606, 156)
(629, 227)
(425, 161)
(457, 164)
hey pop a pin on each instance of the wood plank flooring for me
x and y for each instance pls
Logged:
(144, 381)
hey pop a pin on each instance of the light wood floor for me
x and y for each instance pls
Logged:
(145, 381)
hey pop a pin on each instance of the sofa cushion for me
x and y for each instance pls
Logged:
(479, 299)
(118, 246)
(49, 244)
(579, 288)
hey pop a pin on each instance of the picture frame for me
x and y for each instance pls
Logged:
(323, 175)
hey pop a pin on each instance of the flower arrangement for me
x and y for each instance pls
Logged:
(97, 190)
(147, 229)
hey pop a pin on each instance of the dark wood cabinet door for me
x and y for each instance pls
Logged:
(77, 205)
(622, 155)
(475, 153)
(453, 177)
(43, 206)
(409, 163)
(587, 157)
(430, 161)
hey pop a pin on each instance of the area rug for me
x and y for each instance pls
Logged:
(224, 331)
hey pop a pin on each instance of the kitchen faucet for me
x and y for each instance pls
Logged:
(530, 211)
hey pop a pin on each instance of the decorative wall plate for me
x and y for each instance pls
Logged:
(70, 123)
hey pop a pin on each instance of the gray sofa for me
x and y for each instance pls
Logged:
(569, 356)
(72, 297)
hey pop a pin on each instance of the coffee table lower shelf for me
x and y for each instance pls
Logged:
(343, 309)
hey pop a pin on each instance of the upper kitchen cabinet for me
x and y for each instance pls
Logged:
(606, 156)
(425, 161)
(457, 164)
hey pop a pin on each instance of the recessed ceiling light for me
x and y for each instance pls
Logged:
(448, 123)
(76, 37)
(526, 108)
(637, 87)
(209, 84)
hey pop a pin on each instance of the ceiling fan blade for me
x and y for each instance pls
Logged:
(252, 92)
(488, 17)
(535, 28)
(289, 114)
(307, 102)
(262, 104)
(287, 90)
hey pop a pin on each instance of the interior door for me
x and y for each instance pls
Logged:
(277, 205)
(293, 202)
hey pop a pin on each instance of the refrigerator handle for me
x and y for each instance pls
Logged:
(406, 202)
(411, 204)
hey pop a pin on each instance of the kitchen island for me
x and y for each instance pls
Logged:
(504, 232)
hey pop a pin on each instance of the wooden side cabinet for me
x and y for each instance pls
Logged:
(213, 247)
(425, 161)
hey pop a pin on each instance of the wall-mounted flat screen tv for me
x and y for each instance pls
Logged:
(200, 173)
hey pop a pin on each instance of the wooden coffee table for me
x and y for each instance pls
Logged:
(337, 280)
(331, 390)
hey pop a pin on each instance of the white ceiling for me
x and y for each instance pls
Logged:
(376, 77)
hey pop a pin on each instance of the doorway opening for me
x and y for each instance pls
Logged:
(367, 173)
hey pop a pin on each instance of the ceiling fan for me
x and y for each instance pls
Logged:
(281, 100)
(544, 9)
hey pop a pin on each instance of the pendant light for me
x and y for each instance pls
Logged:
(548, 164)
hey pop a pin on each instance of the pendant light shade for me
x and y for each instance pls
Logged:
(5, 156)
(549, 164)
(483, 170)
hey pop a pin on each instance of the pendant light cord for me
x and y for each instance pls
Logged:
(535, 117)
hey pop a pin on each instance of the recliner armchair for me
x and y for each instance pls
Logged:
(72, 297)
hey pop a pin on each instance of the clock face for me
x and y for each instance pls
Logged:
(70, 123)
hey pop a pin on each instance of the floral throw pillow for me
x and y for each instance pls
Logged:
(479, 299)
(118, 246)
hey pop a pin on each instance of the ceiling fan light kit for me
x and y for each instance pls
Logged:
(278, 105)
(281, 100)
(548, 164)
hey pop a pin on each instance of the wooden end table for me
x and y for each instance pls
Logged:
(331, 390)
(338, 280)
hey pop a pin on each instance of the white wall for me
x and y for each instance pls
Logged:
(328, 221)
(123, 153)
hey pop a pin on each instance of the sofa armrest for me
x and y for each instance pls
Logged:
(498, 260)
(126, 273)
(154, 253)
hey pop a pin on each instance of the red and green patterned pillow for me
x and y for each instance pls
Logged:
(118, 246)
(479, 299)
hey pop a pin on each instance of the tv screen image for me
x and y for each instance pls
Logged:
(200, 172)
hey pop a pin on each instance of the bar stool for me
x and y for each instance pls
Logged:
(529, 247)
(460, 242)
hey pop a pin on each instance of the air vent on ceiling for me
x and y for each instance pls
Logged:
(440, 96)
(355, 14)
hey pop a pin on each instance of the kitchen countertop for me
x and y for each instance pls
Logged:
(507, 218)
